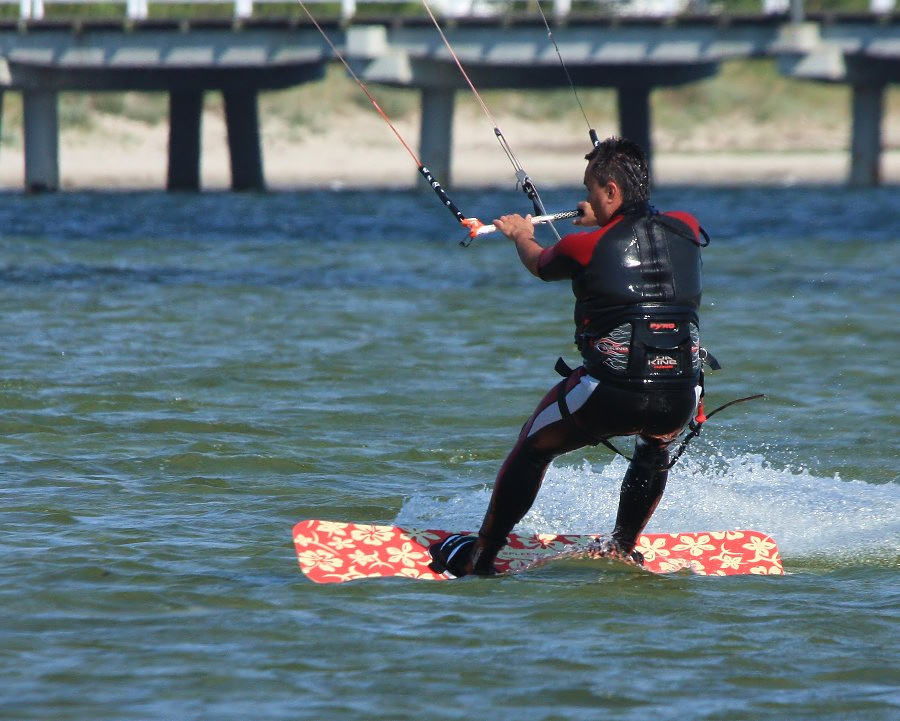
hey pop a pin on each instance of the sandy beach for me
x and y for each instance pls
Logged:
(359, 150)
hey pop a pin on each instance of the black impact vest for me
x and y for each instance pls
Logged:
(637, 300)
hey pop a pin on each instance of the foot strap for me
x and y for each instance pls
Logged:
(452, 554)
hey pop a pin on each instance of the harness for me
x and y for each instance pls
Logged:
(645, 346)
(637, 318)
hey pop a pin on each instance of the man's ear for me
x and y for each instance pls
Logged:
(612, 190)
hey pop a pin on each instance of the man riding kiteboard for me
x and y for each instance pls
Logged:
(637, 283)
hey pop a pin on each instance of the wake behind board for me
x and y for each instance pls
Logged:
(334, 552)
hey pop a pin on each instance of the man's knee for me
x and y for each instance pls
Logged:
(651, 453)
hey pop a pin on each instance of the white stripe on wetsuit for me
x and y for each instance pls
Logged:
(575, 399)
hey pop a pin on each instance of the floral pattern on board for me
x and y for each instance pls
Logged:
(334, 552)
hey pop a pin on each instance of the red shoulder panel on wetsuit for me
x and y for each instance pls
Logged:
(574, 251)
(687, 219)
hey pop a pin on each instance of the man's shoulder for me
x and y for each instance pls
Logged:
(685, 217)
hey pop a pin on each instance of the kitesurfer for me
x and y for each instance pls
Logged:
(637, 285)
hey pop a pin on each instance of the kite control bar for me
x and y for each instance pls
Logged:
(535, 220)
(476, 227)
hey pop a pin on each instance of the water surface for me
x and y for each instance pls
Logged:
(185, 377)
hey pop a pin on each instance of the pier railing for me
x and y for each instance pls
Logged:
(140, 9)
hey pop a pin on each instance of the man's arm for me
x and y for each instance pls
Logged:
(521, 232)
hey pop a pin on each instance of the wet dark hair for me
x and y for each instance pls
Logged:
(623, 161)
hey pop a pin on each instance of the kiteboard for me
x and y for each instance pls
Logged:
(335, 552)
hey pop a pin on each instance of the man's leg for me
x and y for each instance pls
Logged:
(642, 489)
(549, 433)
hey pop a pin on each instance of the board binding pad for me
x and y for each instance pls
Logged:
(335, 552)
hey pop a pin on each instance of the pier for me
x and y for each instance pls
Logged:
(41, 60)
(243, 56)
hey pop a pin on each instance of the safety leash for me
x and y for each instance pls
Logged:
(695, 426)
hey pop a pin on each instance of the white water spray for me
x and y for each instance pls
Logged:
(808, 516)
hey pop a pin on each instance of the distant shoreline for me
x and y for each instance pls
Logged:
(359, 152)
(713, 169)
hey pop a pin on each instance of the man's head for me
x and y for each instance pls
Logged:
(616, 176)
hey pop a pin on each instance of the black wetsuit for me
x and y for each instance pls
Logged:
(637, 284)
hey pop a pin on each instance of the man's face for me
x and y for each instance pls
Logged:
(603, 198)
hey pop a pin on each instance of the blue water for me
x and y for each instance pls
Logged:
(185, 377)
